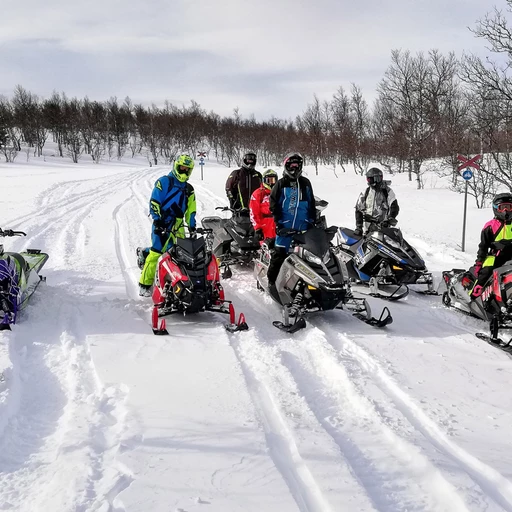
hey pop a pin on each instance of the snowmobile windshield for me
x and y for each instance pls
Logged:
(316, 241)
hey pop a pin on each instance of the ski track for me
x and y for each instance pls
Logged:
(485, 487)
(51, 388)
(59, 394)
(492, 483)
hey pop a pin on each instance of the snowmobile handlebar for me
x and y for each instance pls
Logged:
(10, 232)
(232, 210)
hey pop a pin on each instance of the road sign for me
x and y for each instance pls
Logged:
(467, 175)
(201, 153)
(468, 162)
(201, 163)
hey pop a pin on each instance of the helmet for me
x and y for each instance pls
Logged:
(374, 177)
(502, 206)
(269, 178)
(250, 160)
(183, 166)
(293, 163)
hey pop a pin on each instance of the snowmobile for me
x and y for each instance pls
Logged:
(187, 281)
(494, 305)
(310, 280)
(232, 240)
(383, 260)
(19, 278)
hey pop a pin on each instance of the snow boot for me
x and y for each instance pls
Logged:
(144, 290)
(142, 254)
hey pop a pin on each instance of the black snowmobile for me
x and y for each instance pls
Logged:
(494, 305)
(383, 260)
(233, 240)
(311, 280)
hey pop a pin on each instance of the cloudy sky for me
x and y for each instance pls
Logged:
(268, 57)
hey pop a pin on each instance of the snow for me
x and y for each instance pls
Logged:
(97, 414)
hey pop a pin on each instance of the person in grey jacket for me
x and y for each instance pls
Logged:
(377, 204)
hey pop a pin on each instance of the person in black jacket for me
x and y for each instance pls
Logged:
(292, 204)
(495, 246)
(242, 182)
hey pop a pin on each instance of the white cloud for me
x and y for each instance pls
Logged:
(266, 56)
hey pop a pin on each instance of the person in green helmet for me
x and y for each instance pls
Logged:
(172, 204)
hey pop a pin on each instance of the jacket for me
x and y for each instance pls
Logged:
(261, 217)
(292, 203)
(173, 201)
(379, 203)
(494, 231)
(240, 186)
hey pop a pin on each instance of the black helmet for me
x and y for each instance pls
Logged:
(374, 177)
(502, 206)
(249, 160)
(293, 163)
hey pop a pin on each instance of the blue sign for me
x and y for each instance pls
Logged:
(201, 161)
(467, 175)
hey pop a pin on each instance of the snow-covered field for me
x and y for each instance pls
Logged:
(97, 414)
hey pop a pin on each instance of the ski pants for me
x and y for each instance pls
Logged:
(279, 254)
(159, 244)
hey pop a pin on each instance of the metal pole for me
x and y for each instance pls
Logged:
(202, 172)
(464, 221)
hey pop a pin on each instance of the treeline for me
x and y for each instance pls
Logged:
(427, 106)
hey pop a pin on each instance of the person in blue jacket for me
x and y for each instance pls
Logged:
(172, 203)
(292, 204)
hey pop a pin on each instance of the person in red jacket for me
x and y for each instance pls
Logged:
(261, 217)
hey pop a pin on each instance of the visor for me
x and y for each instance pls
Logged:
(504, 207)
(183, 169)
(270, 180)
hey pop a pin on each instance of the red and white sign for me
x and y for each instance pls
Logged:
(468, 162)
(202, 153)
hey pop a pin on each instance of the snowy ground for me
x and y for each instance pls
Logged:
(97, 414)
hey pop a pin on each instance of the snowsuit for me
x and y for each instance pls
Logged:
(240, 186)
(488, 256)
(292, 204)
(172, 202)
(379, 203)
(261, 217)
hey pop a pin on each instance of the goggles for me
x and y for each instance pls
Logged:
(504, 207)
(374, 179)
(270, 180)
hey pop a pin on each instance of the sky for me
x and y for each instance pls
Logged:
(268, 58)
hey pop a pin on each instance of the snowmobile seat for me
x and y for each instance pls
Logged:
(350, 238)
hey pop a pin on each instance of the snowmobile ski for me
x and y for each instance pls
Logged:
(496, 342)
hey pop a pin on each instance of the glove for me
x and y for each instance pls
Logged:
(192, 232)
(477, 267)
(159, 227)
(358, 232)
(259, 234)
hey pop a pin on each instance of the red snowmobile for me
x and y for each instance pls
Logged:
(187, 281)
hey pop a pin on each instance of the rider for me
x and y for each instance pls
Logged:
(498, 229)
(292, 204)
(261, 218)
(172, 201)
(242, 182)
(376, 204)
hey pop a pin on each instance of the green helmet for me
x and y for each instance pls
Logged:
(269, 178)
(183, 166)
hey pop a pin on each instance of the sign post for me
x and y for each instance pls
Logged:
(467, 175)
(201, 156)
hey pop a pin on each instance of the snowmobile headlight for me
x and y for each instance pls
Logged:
(309, 256)
(392, 242)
